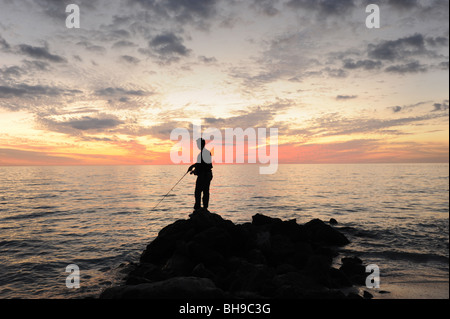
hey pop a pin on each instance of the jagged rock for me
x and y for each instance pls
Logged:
(207, 256)
(320, 232)
(354, 270)
(367, 295)
(173, 288)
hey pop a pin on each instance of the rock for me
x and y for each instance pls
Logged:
(354, 270)
(259, 220)
(353, 295)
(207, 256)
(333, 221)
(318, 231)
(252, 278)
(202, 272)
(173, 288)
(146, 272)
(367, 295)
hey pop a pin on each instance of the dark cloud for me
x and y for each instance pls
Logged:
(11, 72)
(396, 109)
(336, 73)
(57, 8)
(443, 65)
(437, 41)
(91, 123)
(440, 106)
(39, 53)
(77, 125)
(266, 7)
(412, 67)
(198, 12)
(129, 59)
(362, 64)
(36, 65)
(346, 97)
(404, 4)
(92, 47)
(4, 46)
(166, 48)
(169, 44)
(16, 71)
(123, 44)
(207, 60)
(323, 7)
(24, 90)
(110, 91)
(398, 49)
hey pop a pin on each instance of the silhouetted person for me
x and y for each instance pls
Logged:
(203, 170)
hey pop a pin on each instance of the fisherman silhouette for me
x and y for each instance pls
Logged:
(203, 169)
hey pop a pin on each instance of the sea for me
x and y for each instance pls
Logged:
(100, 219)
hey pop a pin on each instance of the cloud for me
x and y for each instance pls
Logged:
(129, 59)
(361, 64)
(196, 12)
(346, 97)
(207, 60)
(92, 47)
(404, 4)
(398, 108)
(166, 48)
(440, 106)
(323, 8)
(25, 90)
(4, 46)
(90, 123)
(111, 91)
(398, 49)
(123, 44)
(78, 125)
(266, 7)
(11, 72)
(57, 8)
(40, 53)
(437, 41)
(168, 45)
(334, 124)
(412, 67)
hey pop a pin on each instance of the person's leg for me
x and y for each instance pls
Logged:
(198, 193)
(206, 185)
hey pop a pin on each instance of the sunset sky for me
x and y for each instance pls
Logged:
(111, 91)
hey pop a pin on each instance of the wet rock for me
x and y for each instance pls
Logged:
(333, 221)
(318, 231)
(173, 288)
(354, 270)
(207, 256)
(367, 295)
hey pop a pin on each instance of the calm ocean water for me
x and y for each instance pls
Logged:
(100, 218)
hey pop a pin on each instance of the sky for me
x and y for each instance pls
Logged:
(112, 91)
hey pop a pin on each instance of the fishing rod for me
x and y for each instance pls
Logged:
(169, 191)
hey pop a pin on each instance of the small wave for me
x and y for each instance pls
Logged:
(410, 256)
(32, 215)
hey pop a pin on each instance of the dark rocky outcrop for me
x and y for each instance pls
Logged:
(207, 256)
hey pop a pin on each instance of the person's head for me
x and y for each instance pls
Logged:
(201, 143)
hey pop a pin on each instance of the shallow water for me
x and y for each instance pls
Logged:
(100, 218)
